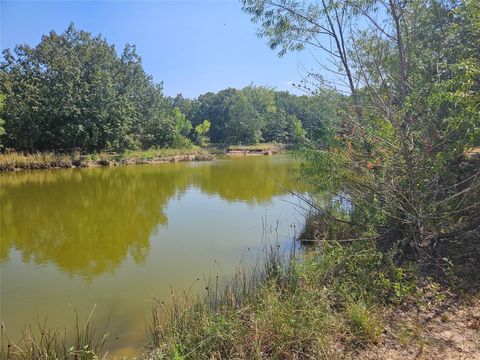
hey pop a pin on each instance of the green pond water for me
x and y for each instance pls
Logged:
(116, 238)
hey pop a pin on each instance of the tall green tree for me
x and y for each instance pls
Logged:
(215, 108)
(182, 128)
(244, 123)
(73, 92)
(411, 70)
(201, 131)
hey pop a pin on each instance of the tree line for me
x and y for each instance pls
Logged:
(75, 92)
(258, 114)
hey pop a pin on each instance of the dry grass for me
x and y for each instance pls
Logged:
(473, 153)
(11, 161)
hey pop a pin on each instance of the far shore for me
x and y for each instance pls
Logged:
(258, 149)
(16, 161)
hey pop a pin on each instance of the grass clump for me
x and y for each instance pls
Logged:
(297, 307)
(82, 342)
(363, 322)
(10, 161)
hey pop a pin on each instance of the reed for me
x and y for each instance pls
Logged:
(39, 342)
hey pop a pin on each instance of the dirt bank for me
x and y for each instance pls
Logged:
(439, 326)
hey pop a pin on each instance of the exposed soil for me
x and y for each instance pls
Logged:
(443, 321)
(439, 326)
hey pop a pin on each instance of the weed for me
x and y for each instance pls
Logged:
(42, 343)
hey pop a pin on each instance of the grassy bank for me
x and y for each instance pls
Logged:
(331, 302)
(289, 307)
(334, 300)
(317, 306)
(11, 161)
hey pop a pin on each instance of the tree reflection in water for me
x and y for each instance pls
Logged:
(87, 221)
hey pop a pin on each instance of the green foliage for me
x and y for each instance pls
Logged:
(359, 273)
(156, 127)
(182, 128)
(255, 114)
(201, 131)
(363, 322)
(73, 92)
(299, 131)
(244, 123)
(2, 122)
(396, 147)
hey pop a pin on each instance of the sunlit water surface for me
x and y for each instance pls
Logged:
(118, 237)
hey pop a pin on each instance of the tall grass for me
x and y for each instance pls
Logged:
(11, 160)
(163, 152)
(82, 342)
(287, 307)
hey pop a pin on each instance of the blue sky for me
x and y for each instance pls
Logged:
(192, 46)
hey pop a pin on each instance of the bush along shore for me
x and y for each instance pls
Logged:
(13, 161)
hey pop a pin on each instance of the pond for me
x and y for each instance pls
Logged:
(116, 238)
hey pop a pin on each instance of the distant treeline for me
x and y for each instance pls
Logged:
(74, 92)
